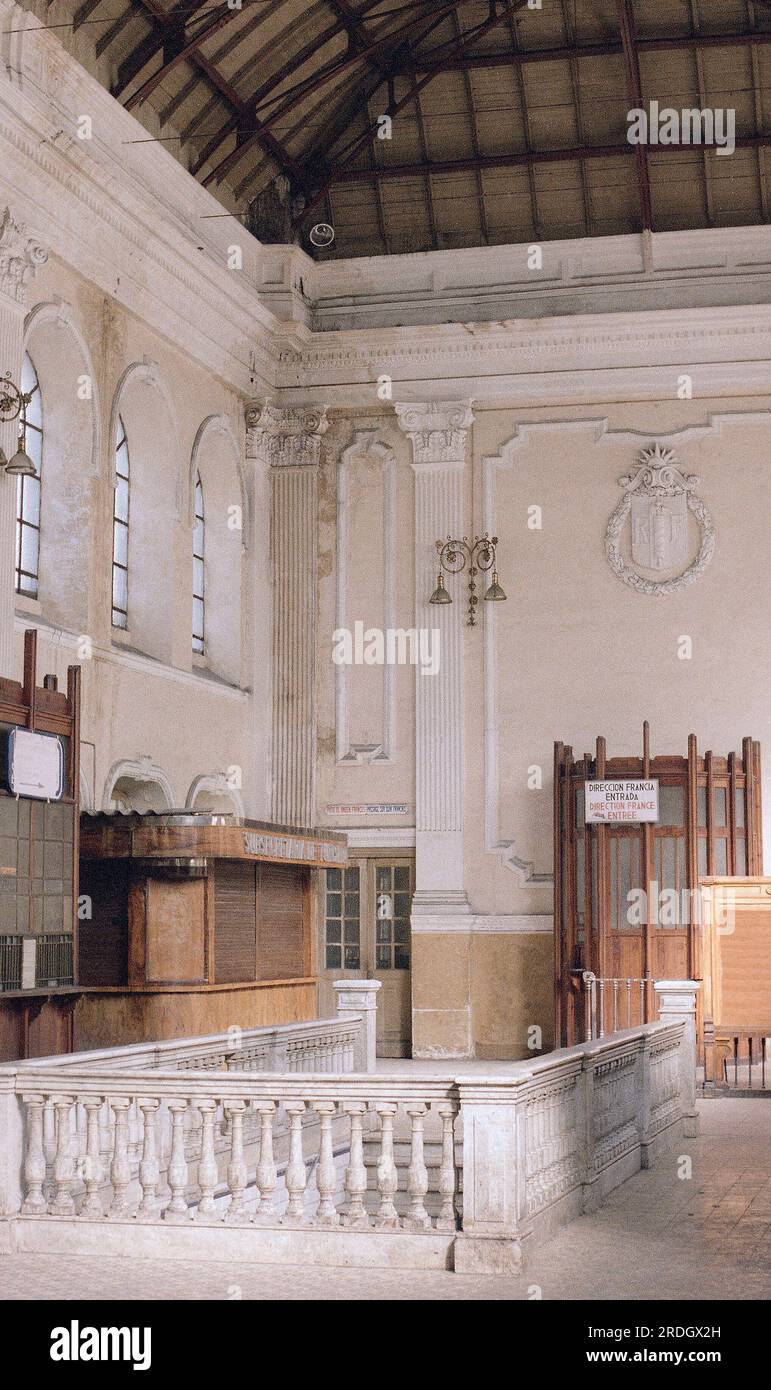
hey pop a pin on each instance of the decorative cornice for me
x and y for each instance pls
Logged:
(437, 429)
(20, 256)
(285, 438)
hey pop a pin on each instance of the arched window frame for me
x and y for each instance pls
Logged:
(120, 528)
(28, 489)
(199, 544)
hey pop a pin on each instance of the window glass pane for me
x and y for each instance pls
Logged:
(671, 805)
(352, 958)
(701, 803)
(383, 930)
(739, 807)
(334, 930)
(352, 880)
(702, 855)
(28, 375)
(198, 617)
(120, 544)
(33, 445)
(29, 549)
(334, 957)
(351, 931)
(383, 880)
(401, 930)
(121, 499)
(119, 588)
(198, 577)
(402, 880)
(401, 958)
(720, 805)
(30, 500)
(401, 904)
(334, 904)
(334, 879)
(351, 904)
(721, 856)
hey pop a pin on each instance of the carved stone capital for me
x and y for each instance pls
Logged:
(285, 437)
(20, 256)
(436, 429)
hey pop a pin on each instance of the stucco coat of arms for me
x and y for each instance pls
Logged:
(657, 500)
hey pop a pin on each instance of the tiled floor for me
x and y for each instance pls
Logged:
(664, 1234)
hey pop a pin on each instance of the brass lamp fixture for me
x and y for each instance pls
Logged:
(478, 556)
(13, 403)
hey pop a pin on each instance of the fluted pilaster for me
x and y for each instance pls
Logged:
(288, 442)
(20, 257)
(438, 433)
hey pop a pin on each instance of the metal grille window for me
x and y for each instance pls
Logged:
(28, 489)
(198, 576)
(120, 530)
(10, 962)
(343, 920)
(392, 931)
(53, 965)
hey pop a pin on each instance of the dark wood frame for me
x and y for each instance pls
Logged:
(600, 942)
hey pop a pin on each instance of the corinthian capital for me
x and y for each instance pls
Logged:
(436, 429)
(20, 256)
(284, 437)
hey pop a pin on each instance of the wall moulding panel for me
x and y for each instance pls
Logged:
(351, 593)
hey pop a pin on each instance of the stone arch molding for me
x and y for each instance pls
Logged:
(218, 426)
(218, 784)
(59, 313)
(659, 482)
(149, 372)
(142, 770)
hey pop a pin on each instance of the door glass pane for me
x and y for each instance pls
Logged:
(402, 879)
(342, 921)
(383, 958)
(383, 882)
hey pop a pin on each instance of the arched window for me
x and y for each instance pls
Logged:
(120, 530)
(198, 547)
(28, 489)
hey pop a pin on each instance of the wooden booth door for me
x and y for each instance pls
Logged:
(365, 934)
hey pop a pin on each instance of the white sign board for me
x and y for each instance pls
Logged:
(621, 801)
(367, 808)
(35, 765)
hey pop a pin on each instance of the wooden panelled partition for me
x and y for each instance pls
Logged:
(626, 900)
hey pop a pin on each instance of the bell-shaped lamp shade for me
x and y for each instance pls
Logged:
(494, 593)
(440, 594)
(21, 464)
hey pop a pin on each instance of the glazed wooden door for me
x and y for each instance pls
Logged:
(364, 933)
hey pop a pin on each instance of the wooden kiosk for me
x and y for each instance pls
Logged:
(199, 921)
(708, 823)
(39, 798)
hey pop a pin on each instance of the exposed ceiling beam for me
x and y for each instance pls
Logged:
(423, 63)
(460, 46)
(175, 41)
(327, 74)
(524, 157)
(634, 96)
(269, 143)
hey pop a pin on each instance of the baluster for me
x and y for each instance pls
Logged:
(237, 1173)
(602, 1007)
(64, 1163)
(266, 1167)
(642, 1001)
(49, 1148)
(615, 984)
(417, 1218)
(446, 1220)
(296, 1172)
(387, 1177)
(35, 1203)
(207, 1163)
(92, 1163)
(120, 1168)
(149, 1167)
(177, 1210)
(326, 1175)
(629, 1003)
(356, 1173)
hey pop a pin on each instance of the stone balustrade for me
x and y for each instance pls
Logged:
(463, 1171)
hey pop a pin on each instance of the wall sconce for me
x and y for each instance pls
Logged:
(12, 405)
(476, 556)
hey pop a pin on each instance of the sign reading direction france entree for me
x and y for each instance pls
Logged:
(625, 800)
(34, 765)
